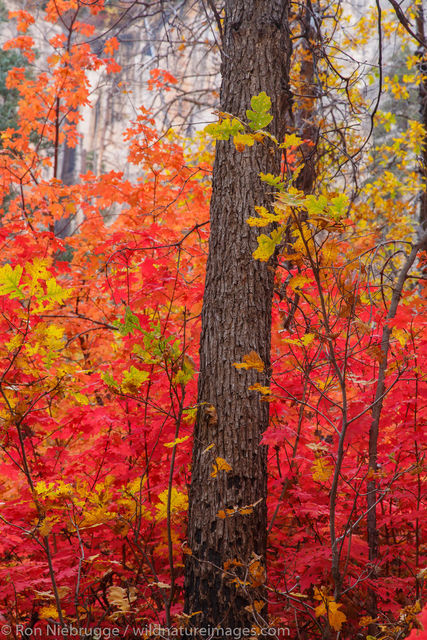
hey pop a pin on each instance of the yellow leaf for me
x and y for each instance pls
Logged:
(49, 611)
(320, 610)
(133, 379)
(298, 281)
(291, 140)
(257, 606)
(321, 470)
(45, 528)
(250, 361)
(176, 441)
(10, 281)
(38, 269)
(267, 245)
(257, 573)
(220, 465)
(307, 339)
(265, 391)
(179, 502)
(335, 617)
(121, 598)
(265, 218)
(304, 341)
(241, 140)
(81, 398)
(401, 336)
(331, 608)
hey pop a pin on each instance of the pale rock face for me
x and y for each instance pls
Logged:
(178, 39)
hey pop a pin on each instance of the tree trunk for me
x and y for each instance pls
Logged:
(236, 320)
(422, 53)
(306, 103)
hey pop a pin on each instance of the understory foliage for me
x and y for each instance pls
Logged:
(99, 356)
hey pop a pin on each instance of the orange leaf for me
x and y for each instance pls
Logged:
(220, 465)
(251, 361)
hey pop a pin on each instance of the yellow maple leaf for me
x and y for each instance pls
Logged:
(45, 528)
(321, 470)
(220, 465)
(133, 379)
(250, 361)
(329, 607)
(241, 140)
(179, 502)
(257, 573)
(50, 611)
(298, 281)
(335, 617)
(175, 442)
(38, 269)
(291, 140)
(265, 218)
(265, 391)
(256, 606)
(121, 598)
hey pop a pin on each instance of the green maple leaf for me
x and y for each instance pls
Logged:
(9, 281)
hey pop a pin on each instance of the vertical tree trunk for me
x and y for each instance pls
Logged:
(305, 104)
(422, 53)
(236, 319)
(66, 225)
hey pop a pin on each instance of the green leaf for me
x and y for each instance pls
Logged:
(261, 103)
(274, 181)
(131, 323)
(224, 129)
(339, 205)
(56, 293)
(258, 120)
(9, 281)
(259, 117)
(108, 379)
(316, 206)
(133, 379)
(267, 245)
(186, 372)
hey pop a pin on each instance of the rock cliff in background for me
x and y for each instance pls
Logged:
(174, 36)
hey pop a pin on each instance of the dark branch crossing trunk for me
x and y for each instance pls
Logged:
(236, 320)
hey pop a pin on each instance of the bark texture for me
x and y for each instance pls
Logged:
(305, 108)
(422, 53)
(236, 319)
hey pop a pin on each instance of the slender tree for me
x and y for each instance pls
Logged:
(236, 320)
(422, 53)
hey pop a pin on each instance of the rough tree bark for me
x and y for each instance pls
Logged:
(422, 54)
(305, 107)
(236, 320)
